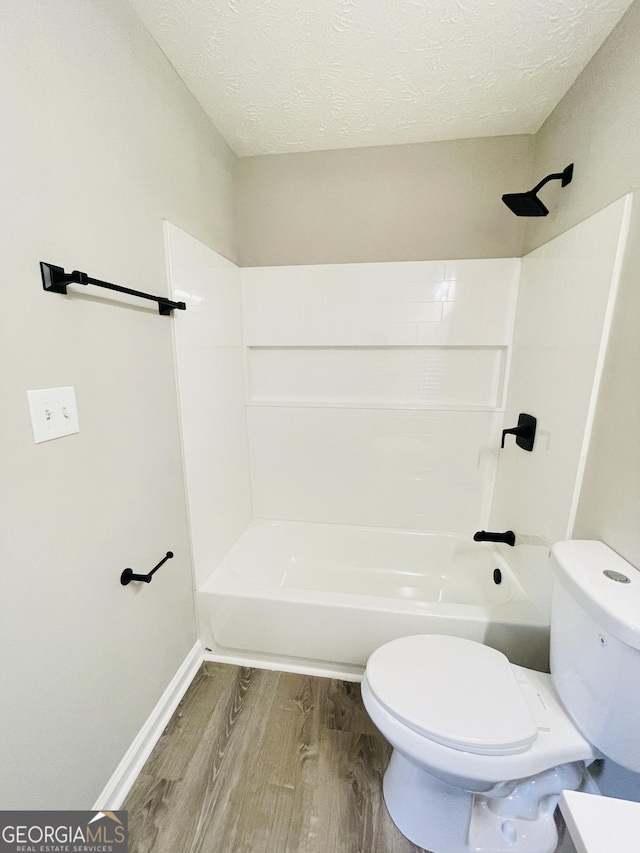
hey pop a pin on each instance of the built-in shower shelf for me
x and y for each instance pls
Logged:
(328, 404)
(404, 377)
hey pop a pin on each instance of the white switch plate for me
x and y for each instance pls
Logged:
(53, 413)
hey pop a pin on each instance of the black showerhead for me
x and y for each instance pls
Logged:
(528, 204)
(525, 204)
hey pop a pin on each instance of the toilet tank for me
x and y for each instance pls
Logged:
(595, 645)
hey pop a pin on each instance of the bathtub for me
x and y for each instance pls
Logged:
(333, 593)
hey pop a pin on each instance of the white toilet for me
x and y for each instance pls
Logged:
(482, 748)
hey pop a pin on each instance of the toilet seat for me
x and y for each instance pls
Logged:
(456, 692)
(558, 741)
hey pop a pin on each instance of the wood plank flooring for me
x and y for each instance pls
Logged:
(254, 761)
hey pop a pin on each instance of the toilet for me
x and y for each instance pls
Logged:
(482, 748)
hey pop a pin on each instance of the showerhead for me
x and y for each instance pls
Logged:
(525, 204)
(528, 203)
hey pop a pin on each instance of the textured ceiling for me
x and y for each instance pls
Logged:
(304, 75)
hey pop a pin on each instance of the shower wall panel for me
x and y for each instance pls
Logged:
(565, 305)
(375, 392)
(208, 344)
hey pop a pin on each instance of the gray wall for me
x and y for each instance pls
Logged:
(597, 126)
(392, 203)
(100, 140)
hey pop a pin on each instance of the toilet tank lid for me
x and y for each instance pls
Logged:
(580, 566)
(456, 692)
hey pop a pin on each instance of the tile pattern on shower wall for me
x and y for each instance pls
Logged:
(458, 303)
(375, 467)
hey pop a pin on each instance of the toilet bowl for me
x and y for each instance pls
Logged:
(463, 722)
(482, 748)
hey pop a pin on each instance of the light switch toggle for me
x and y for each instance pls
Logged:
(54, 413)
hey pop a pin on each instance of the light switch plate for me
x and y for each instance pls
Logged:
(54, 413)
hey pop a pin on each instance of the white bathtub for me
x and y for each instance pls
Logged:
(334, 593)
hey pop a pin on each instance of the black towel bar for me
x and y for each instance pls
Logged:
(55, 280)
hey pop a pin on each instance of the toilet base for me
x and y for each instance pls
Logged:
(444, 819)
(428, 812)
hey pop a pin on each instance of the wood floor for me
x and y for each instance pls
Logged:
(255, 761)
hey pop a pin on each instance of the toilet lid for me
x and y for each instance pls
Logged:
(456, 692)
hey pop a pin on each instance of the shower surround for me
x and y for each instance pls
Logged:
(374, 395)
(375, 392)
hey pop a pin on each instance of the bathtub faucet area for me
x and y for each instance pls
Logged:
(508, 537)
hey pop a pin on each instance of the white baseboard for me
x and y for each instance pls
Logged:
(126, 772)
